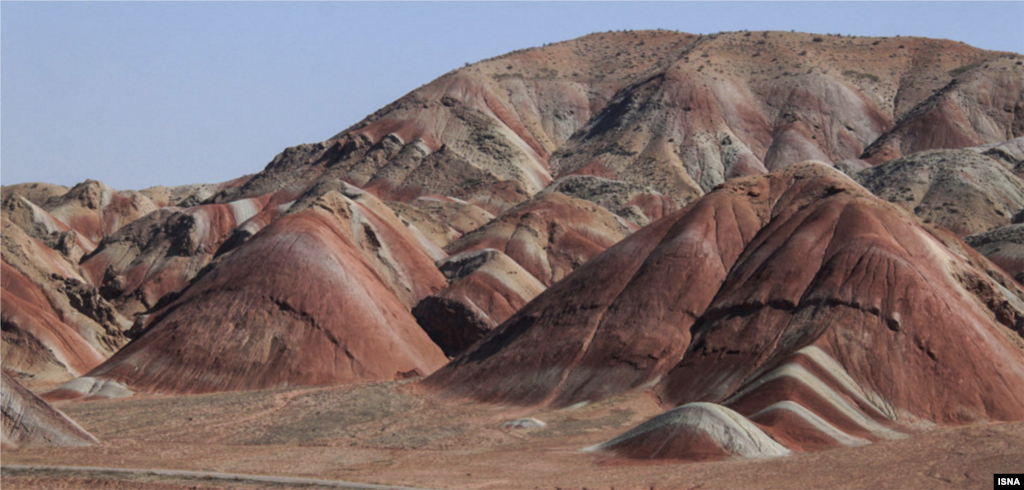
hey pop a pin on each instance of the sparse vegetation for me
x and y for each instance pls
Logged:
(861, 76)
(619, 150)
(955, 72)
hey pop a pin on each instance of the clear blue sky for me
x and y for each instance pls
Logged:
(141, 94)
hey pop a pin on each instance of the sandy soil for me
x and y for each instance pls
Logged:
(393, 433)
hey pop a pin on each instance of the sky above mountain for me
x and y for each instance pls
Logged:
(141, 94)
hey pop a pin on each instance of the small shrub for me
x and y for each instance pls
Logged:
(955, 72)
(863, 76)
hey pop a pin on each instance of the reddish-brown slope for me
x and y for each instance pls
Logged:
(403, 255)
(861, 321)
(622, 319)
(847, 268)
(36, 341)
(297, 304)
(983, 104)
(55, 325)
(893, 327)
(486, 288)
(549, 235)
(30, 421)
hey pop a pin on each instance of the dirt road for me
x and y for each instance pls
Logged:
(282, 480)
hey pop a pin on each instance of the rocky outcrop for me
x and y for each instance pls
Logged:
(441, 219)
(56, 325)
(159, 254)
(94, 210)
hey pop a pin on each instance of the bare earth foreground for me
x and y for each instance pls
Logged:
(393, 434)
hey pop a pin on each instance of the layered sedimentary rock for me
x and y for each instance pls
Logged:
(485, 288)
(620, 320)
(670, 114)
(56, 325)
(549, 235)
(981, 104)
(547, 155)
(815, 309)
(36, 341)
(311, 299)
(159, 254)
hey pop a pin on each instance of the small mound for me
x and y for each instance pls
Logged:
(527, 423)
(697, 431)
(88, 387)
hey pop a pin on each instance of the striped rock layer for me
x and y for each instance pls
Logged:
(28, 421)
